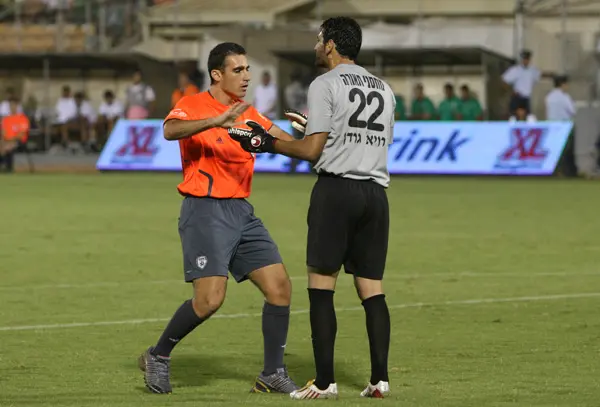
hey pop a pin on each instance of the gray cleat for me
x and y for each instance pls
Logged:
(278, 382)
(156, 372)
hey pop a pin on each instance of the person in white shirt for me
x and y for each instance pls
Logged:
(559, 105)
(65, 112)
(522, 79)
(111, 110)
(84, 120)
(265, 97)
(140, 99)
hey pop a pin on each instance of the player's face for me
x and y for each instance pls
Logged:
(236, 76)
(320, 52)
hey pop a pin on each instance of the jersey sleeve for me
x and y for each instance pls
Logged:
(255, 115)
(320, 107)
(186, 110)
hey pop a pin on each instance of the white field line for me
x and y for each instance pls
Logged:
(389, 276)
(478, 301)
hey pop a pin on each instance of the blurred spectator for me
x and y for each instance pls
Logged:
(5, 105)
(185, 88)
(296, 94)
(400, 112)
(422, 107)
(469, 108)
(560, 107)
(111, 110)
(448, 109)
(521, 78)
(140, 98)
(75, 115)
(65, 111)
(15, 129)
(86, 118)
(265, 97)
(522, 113)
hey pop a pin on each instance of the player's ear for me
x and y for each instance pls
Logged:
(216, 74)
(329, 47)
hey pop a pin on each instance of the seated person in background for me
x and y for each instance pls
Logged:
(469, 108)
(111, 110)
(422, 107)
(185, 88)
(15, 129)
(5, 104)
(522, 114)
(400, 111)
(85, 117)
(74, 116)
(448, 108)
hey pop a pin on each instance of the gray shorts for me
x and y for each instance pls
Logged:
(221, 235)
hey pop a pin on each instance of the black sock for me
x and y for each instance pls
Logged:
(378, 329)
(184, 321)
(275, 323)
(323, 324)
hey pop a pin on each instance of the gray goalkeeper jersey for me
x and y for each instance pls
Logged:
(357, 110)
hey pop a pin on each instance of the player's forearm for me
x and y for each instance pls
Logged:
(180, 129)
(299, 149)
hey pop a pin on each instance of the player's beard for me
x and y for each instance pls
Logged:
(320, 60)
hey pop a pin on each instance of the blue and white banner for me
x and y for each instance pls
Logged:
(485, 148)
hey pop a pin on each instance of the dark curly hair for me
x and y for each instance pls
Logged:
(346, 35)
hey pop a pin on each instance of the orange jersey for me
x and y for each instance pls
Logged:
(178, 94)
(14, 125)
(213, 163)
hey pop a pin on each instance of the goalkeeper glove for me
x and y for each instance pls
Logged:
(256, 140)
(298, 119)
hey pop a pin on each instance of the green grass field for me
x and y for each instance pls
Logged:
(494, 286)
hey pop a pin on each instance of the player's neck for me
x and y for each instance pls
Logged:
(221, 96)
(336, 60)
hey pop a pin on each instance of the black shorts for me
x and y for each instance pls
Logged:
(221, 235)
(348, 225)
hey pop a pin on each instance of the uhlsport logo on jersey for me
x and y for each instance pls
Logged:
(525, 149)
(139, 147)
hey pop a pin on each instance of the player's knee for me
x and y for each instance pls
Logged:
(279, 292)
(208, 304)
(367, 288)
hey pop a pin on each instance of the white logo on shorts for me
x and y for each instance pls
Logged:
(201, 262)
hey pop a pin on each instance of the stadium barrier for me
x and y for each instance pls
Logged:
(476, 148)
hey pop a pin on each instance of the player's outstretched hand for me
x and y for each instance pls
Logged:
(255, 140)
(228, 119)
(298, 119)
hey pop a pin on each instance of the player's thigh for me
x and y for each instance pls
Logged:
(209, 235)
(256, 248)
(369, 244)
(330, 220)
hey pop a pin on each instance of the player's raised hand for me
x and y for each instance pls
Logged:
(256, 140)
(228, 119)
(298, 119)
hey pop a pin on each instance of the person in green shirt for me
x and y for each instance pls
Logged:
(400, 112)
(448, 109)
(469, 108)
(422, 107)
